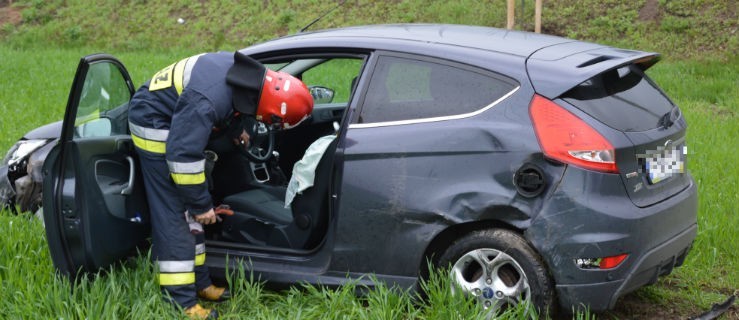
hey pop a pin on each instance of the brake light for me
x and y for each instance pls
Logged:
(566, 138)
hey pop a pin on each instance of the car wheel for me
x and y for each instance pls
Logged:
(500, 269)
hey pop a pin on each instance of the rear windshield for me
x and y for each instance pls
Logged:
(624, 99)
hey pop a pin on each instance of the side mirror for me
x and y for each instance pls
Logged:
(321, 94)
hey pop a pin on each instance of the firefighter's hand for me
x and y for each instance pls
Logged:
(242, 140)
(208, 217)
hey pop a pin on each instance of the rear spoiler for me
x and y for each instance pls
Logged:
(556, 69)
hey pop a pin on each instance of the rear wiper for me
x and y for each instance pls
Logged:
(669, 118)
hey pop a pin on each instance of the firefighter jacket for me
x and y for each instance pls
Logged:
(173, 115)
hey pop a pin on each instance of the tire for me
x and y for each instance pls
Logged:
(516, 271)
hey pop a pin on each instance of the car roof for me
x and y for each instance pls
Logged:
(553, 64)
(517, 43)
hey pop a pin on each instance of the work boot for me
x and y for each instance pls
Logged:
(200, 313)
(213, 293)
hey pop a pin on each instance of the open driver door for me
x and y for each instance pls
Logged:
(94, 204)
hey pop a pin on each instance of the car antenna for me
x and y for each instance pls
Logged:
(321, 17)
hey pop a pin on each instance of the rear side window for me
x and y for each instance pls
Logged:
(624, 99)
(404, 89)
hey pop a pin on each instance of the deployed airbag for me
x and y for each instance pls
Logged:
(304, 171)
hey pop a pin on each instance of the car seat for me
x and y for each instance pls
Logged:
(260, 216)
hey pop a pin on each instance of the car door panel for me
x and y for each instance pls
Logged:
(94, 209)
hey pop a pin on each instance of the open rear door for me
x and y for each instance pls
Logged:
(93, 197)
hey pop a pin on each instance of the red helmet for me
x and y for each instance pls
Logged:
(285, 100)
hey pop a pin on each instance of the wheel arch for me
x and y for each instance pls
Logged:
(447, 239)
(444, 238)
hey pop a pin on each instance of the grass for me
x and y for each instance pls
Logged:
(684, 28)
(29, 289)
(37, 91)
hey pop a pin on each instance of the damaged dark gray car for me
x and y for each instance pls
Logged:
(534, 167)
(20, 173)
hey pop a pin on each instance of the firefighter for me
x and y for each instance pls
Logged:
(171, 118)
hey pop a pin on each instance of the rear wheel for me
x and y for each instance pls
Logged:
(500, 269)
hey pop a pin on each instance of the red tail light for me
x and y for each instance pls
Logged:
(612, 262)
(568, 139)
(604, 263)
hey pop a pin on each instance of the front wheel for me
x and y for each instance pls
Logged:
(500, 269)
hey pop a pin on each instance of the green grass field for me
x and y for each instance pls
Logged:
(39, 55)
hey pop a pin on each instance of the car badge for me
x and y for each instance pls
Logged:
(638, 187)
(488, 293)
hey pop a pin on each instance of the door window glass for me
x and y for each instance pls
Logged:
(403, 89)
(336, 74)
(102, 103)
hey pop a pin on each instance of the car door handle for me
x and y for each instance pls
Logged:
(129, 188)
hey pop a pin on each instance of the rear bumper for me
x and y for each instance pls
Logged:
(657, 262)
(589, 215)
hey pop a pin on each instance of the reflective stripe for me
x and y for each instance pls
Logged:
(188, 69)
(200, 259)
(149, 133)
(179, 68)
(186, 167)
(149, 145)
(200, 248)
(176, 279)
(187, 178)
(176, 266)
(149, 139)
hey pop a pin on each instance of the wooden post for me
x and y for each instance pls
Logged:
(511, 21)
(537, 17)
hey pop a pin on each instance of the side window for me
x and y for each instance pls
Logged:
(336, 74)
(104, 93)
(405, 89)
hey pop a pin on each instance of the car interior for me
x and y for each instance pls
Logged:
(256, 190)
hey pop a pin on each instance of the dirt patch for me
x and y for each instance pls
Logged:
(9, 14)
(634, 306)
(720, 112)
(650, 11)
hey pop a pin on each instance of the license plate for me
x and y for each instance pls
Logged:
(665, 162)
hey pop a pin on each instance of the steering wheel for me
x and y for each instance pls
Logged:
(261, 144)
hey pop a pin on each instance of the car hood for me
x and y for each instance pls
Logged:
(555, 69)
(48, 131)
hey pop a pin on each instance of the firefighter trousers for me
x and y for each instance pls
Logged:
(178, 242)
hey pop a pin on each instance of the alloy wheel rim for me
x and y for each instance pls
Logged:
(493, 277)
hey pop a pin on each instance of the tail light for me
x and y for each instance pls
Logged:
(604, 263)
(566, 138)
